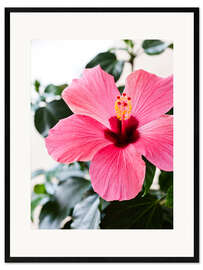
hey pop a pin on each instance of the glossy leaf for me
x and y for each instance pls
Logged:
(154, 46)
(51, 216)
(109, 63)
(165, 180)
(103, 204)
(67, 225)
(149, 176)
(170, 46)
(50, 187)
(47, 117)
(44, 120)
(59, 109)
(40, 189)
(70, 192)
(121, 88)
(129, 43)
(36, 85)
(37, 200)
(66, 196)
(63, 171)
(139, 213)
(86, 214)
(37, 173)
(169, 197)
(84, 166)
(168, 217)
(170, 112)
(55, 90)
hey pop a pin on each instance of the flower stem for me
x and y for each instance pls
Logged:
(131, 60)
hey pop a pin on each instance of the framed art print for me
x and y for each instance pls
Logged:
(102, 134)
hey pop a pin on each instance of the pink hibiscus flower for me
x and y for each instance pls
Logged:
(114, 131)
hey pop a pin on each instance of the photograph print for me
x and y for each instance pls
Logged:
(102, 134)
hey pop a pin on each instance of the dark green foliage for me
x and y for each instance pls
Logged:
(121, 88)
(36, 201)
(55, 90)
(109, 63)
(86, 214)
(170, 46)
(166, 185)
(40, 189)
(44, 120)
(58, 200)
(67, 194)
(170, 112)
(165, 180)
(154, 46)
(36, 85)
(51, 216)
(129, 43)
(48, 116)
(169, 197)
(149, 176)
(139, 213)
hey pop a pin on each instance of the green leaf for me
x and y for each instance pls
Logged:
(67, 225)
(51, 216)
(139, 213)
(40, 189)
(37, 173)
(66, 196)
(103, 204)
(63, 172)
(154, 46)
(37, 200)
(165, 180)
(170, 46)
(59, 109)
(61, 87)
(55, 90)
(121, 88)
(109, 63)
(86, 214)
(149, 176)
(170, 112)
(36, 85)
(84, 166)
(70, 192)
(168, 217)
(36, 104)
(129, 42)
(169, 197)
(47, 117)
(50, 187)
(44, 120)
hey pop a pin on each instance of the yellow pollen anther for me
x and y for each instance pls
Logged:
(123, 107)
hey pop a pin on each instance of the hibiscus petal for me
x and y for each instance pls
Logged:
(117, 173)
(94, 95)
(77, 137)
(152, 96)
(156, 142)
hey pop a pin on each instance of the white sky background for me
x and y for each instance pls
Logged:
(61, 61)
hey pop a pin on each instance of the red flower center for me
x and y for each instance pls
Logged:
(122, 132)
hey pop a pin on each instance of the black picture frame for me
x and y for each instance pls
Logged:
(8, 257)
